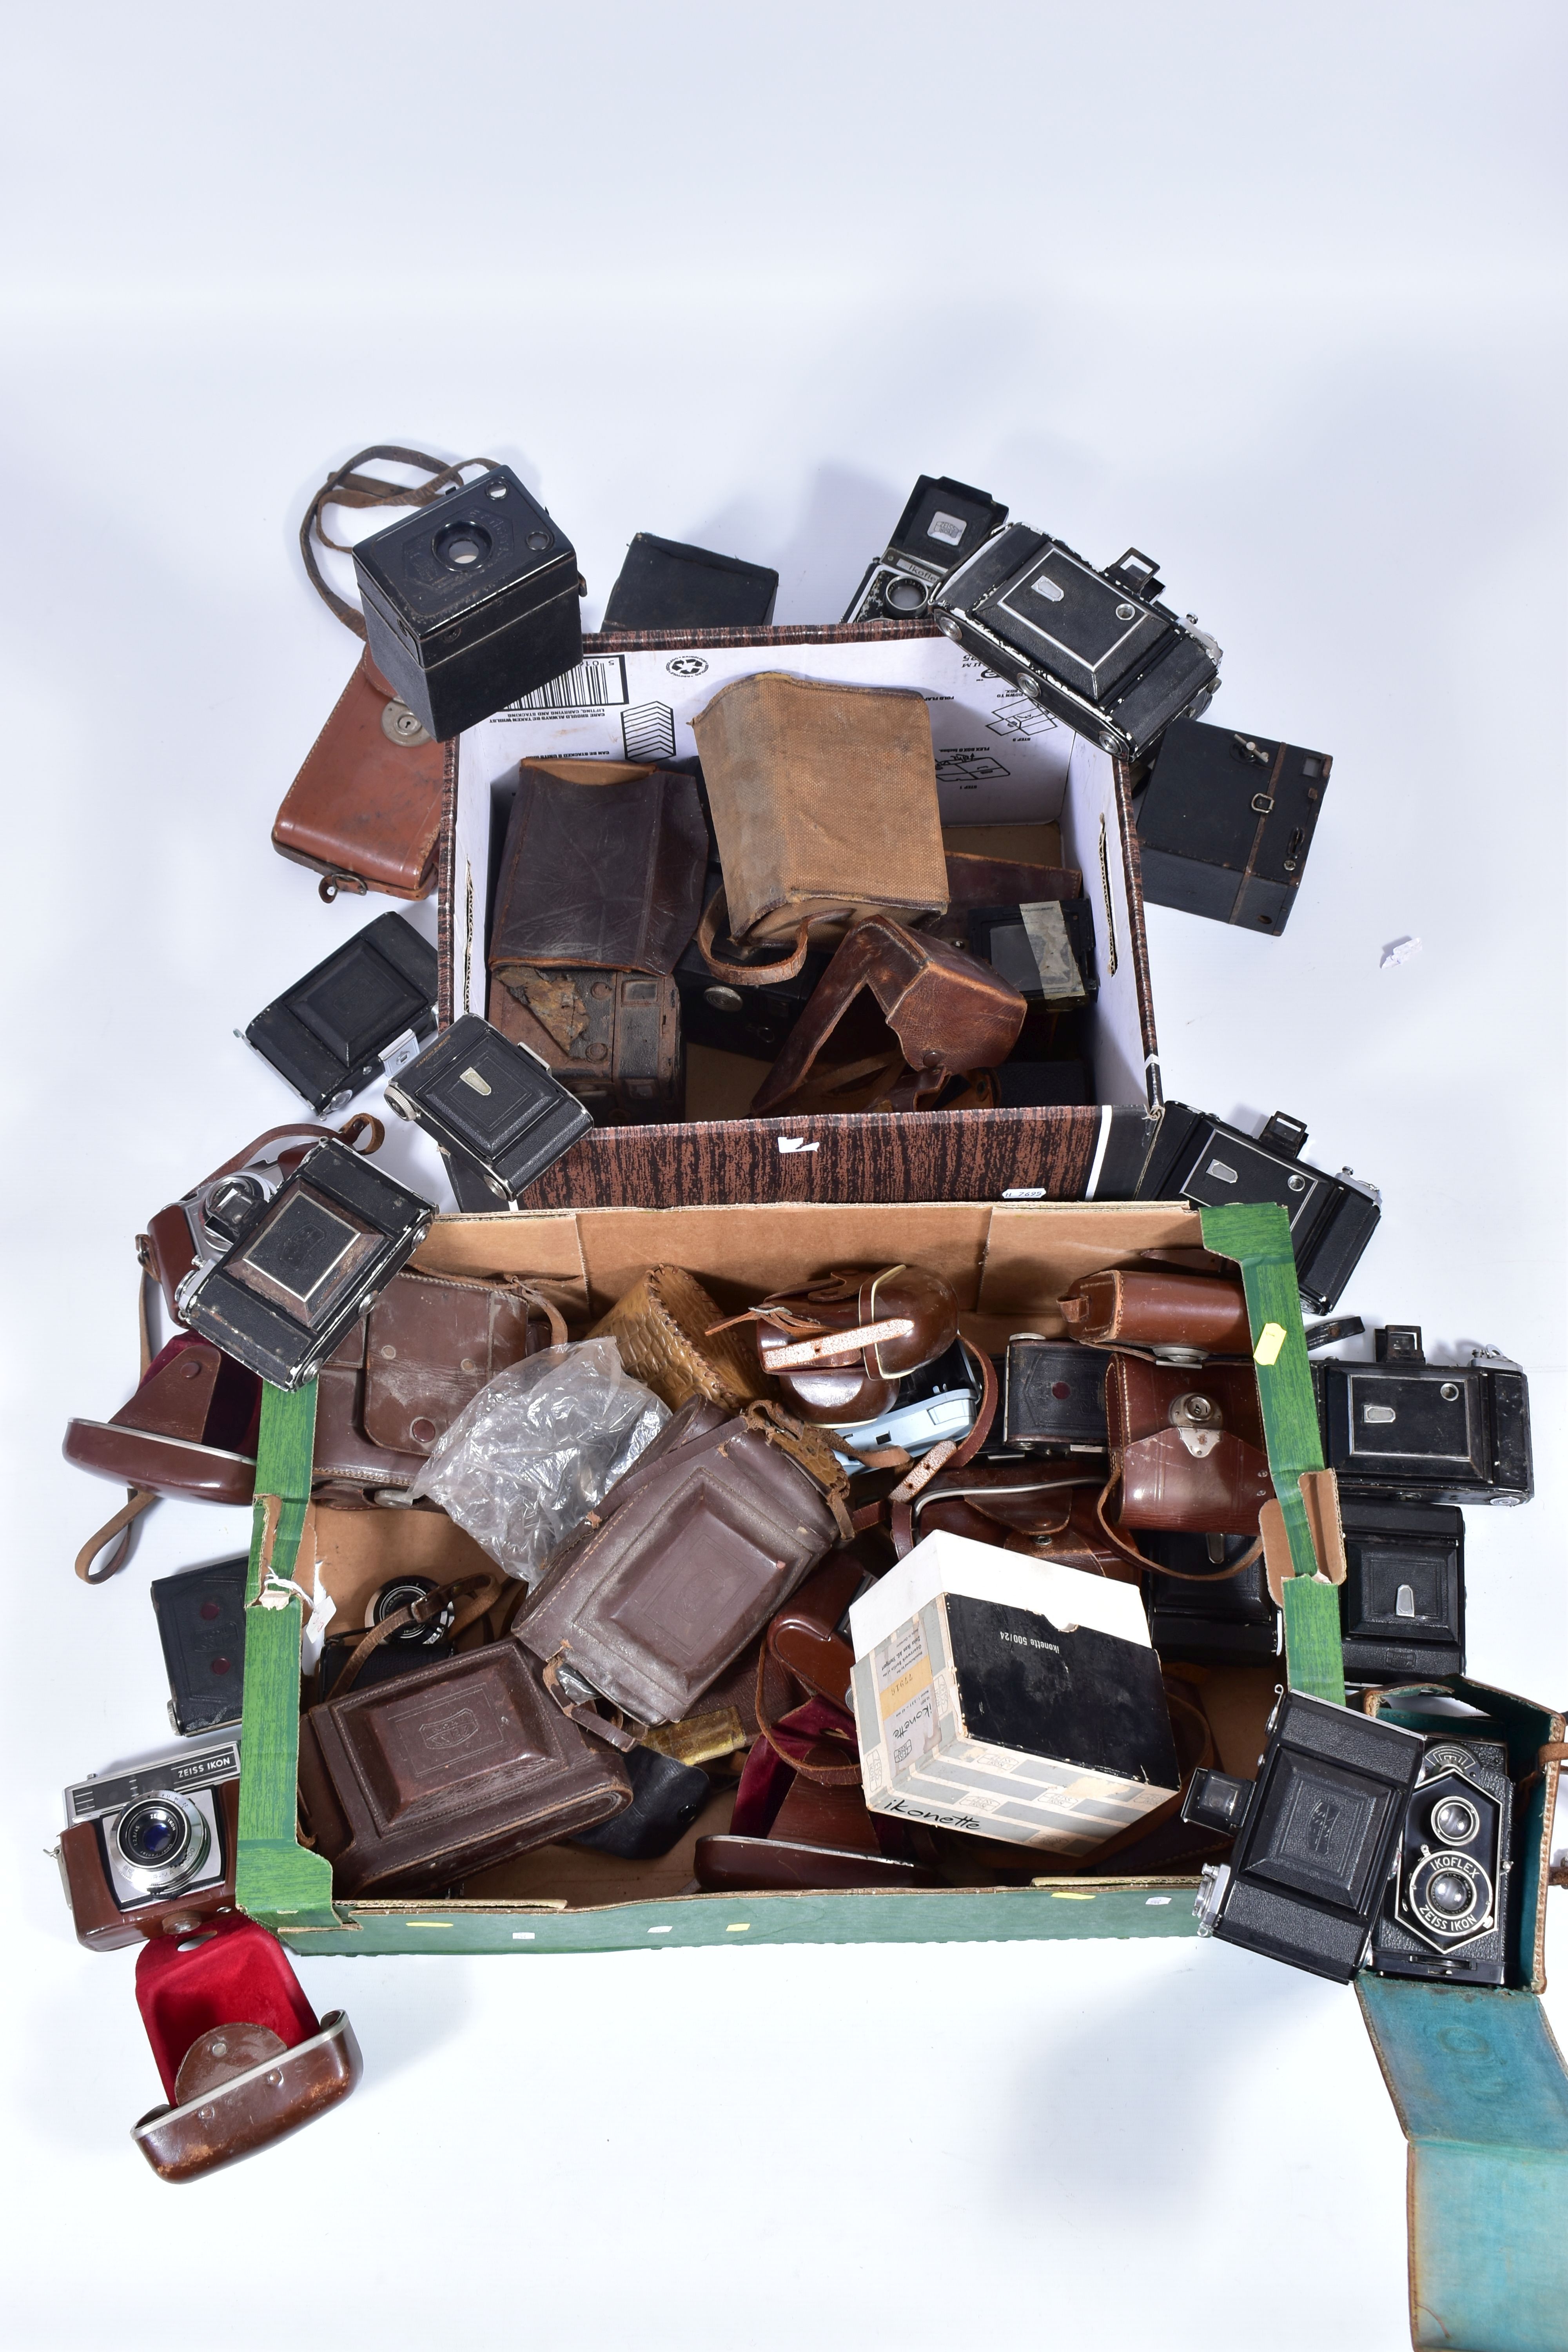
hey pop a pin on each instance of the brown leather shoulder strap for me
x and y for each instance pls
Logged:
(746, 975)
(472, 1595)
(363, 1123)
(347, 487)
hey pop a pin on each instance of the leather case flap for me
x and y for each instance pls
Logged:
(1206, 1473)
(824, 801)
(603, 873)
(431, 1344)
(363, 803)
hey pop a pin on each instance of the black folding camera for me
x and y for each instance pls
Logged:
(663, 584)
(298, 1265)
(1224, 823)
(1053, 1396)
(1045, 949)
(1332, 1218)
(1420, 1433)
(1446, 1911)
(492, 1102)
(1096, 649)
(942, 525)
(1316, 1836)
(366, 1009)
(1202, 1617)
(1401, 1604)
(470, 603)
(201, 1623)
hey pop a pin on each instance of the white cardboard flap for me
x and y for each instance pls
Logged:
(949, 1563)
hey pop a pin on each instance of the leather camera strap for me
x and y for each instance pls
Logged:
(610, 1728)
(715, 915)
(122, 1530)
(811, 1450)
(471, 1596)
(944, 1456)
(347, 487)
(363, 1123)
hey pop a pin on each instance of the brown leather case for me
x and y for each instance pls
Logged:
(948, 1012)
(413, 1782)
(707, 1533)
(824, 804)
(612, 1037)
(1187, 1447)
(99, 1922)
(976, 881)
(604, 865)
(365, 809)
(407, 1369)
(215, 2123)
(187, 1433)
(1147, 1307)
(856, 1383)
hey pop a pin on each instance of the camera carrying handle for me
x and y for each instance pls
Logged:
(347, 487)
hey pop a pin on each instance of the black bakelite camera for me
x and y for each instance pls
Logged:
(1362, 1840)
(492, 1103)
(1332, 1218)
(1410, 1431)
(1096, 649)
(1201, 1616)
(940, 526)
(1225, 822)
(1053, 1396)
(366, 1009)
(1401, 1604)
(663, 584)
(282, 1273)
(470, 603)
(201, 1623)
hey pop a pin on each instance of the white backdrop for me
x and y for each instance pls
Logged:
(1269, 293)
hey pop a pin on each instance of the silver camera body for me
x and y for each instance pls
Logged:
(158, 1825)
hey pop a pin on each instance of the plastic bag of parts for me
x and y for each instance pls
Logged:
(529, 1458)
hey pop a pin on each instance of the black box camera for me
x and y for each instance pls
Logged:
(1224, 823)
(1195, 1158)
(1420, 1433)
(201, 1623)
(303, 1265)
(1097, 649)
(470, 603)
(1201, 1616)
(663, 584)
(942, 525)
(492, 1103)
(368, 1008)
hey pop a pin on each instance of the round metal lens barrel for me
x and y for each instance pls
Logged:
(1451, 1894)
(904, 595)
(154, 1834)
(1455, 1819)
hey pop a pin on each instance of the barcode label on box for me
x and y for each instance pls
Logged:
(596, 685)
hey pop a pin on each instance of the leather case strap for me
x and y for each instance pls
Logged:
(347, 487)
(470, 1597)
(116, 1535)
(714, 925)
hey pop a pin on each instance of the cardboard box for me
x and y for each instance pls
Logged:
(1000, 762)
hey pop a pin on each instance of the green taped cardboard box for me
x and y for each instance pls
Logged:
(1008, 1263)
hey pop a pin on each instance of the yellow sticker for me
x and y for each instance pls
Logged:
(1270, 1339)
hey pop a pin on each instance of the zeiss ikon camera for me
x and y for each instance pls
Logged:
(1446, 1912)
(151, 1851)
(1332, 1218)
(492, 1103)
(1096, 649)
(942, 525)
(1224, 823)
(470, 603)
(1420, 1433)
(1401, 1604)
(366, 1009)
(284, 1265)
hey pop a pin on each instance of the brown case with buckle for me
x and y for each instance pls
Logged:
(1187, 1447)
(707, 1533)
(823, 804)
(405, 1372)
(416, 1781)
(1146, 1307)
(612, 1037)
(948, 1012)
(365, 811)
(602, 866)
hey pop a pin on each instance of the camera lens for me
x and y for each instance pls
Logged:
(904, 595)
(154, 1834)
(1455, 1821)
(462, 545)
(1451, 1894)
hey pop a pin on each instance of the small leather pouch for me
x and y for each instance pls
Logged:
(407, 1370)
(1146, 1307)
(602, 866)
(1186, 1449)
(671, 1338)
(947, 1012)
(413, 1782)
(365, 811)
(688, 1557)
(825, 807)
